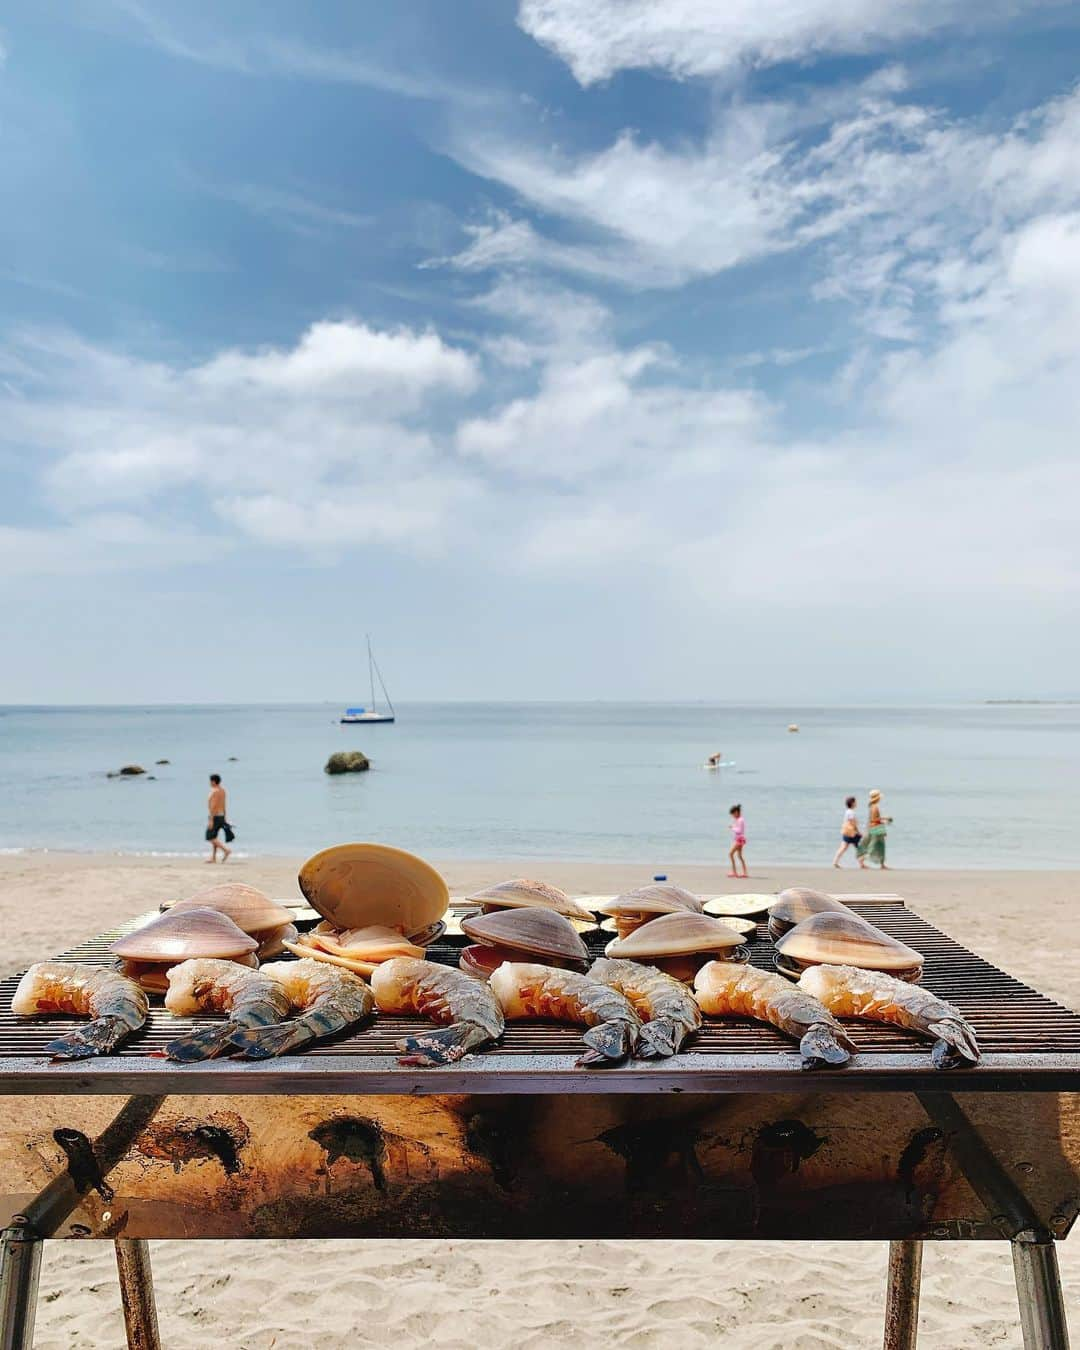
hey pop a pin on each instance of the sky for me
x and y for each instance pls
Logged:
(572, 348)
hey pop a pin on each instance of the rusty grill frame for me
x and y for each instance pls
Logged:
(773, 1139)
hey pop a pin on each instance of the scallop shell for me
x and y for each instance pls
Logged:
(797, 903)
(248, 908)
(525, 894)
(659, 899)
(184, 935)
(675, 934)
(831, 939)
(739, 905)
(358, 885)
(539, 932)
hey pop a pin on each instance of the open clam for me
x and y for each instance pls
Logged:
(797, 903)
(743, 906)
(151, 951)
(680, 943)
(250, 909)
(521, 935)
(831, 939)
(523, 893)
(634, 908)
(360, 885)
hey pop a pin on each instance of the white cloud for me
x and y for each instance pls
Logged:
(598, 38)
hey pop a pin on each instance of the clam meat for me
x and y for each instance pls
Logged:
(521, 935)
(829, 939)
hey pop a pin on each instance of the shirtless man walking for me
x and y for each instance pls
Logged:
(216, 824)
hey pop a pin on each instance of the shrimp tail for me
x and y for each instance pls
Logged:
(442, 1045)
(660, 1039)
(609, 1043)
(199, 1045)
(822, 1045)
(268, 1042)
(955, 1045)
(95, 1038)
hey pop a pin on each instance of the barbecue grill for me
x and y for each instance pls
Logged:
(730, 1140)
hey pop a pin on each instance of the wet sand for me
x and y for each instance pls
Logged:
(747, 1296)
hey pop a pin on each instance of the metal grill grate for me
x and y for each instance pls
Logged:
(1009, 1017)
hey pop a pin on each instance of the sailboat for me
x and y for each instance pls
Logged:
(371, 713)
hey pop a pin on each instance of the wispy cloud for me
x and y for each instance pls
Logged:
(243, 52)
(298, 211)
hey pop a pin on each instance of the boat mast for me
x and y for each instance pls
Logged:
(370, 671)
(382, 682)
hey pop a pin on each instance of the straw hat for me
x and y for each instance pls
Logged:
(875, 796)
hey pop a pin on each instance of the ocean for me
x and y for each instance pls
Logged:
(969, 786)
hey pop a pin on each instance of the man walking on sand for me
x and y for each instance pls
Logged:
(215, 807)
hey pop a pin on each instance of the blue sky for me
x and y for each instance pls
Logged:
(582, 348)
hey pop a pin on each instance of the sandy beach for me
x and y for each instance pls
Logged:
(470, 1294)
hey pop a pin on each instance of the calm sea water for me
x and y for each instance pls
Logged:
(968, 785)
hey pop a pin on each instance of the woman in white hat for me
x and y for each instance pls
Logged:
(872, 845)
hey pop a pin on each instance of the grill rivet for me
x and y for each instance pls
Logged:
(1025, 1167)
(941, 1232)
(1058, 1221)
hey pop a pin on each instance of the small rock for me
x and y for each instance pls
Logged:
(347, 761)
(233, 760)
(128, 771)
(161, 761)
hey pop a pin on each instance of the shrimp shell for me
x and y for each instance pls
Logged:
(527, 991)
(328, 999)
(117, 1005)
(666, 1007)
(881, 998)
(251, 998)
(467, 1008)
(726, 990)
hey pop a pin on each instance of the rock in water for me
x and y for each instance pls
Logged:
(347, 761)
(161, 761)
(128, 771)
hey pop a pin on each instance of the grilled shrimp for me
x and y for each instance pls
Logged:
(251, 998)
(117, 1005)
(881, 998)
(727, 990)
(665, 1005)
(526, 990)
(328, 1000)
(408, 985)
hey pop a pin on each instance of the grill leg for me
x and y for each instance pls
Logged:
(137, 1293)
(902, 1295)
(20, 1266)
(1038, 1290)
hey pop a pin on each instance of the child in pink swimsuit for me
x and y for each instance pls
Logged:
(738, 842)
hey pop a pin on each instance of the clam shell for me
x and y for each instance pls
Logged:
(180, 936)
(526, 894)
(540, 932)
(831, 939)
(743, 905)
(746, 927)
(658, 899)
(248, 908)
(357, 885)
(797, 903)
(677, 934)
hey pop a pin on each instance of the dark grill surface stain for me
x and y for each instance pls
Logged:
(354, 1138)
(1009, 1017)
(82, 1163)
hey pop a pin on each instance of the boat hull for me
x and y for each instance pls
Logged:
(376, 717)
